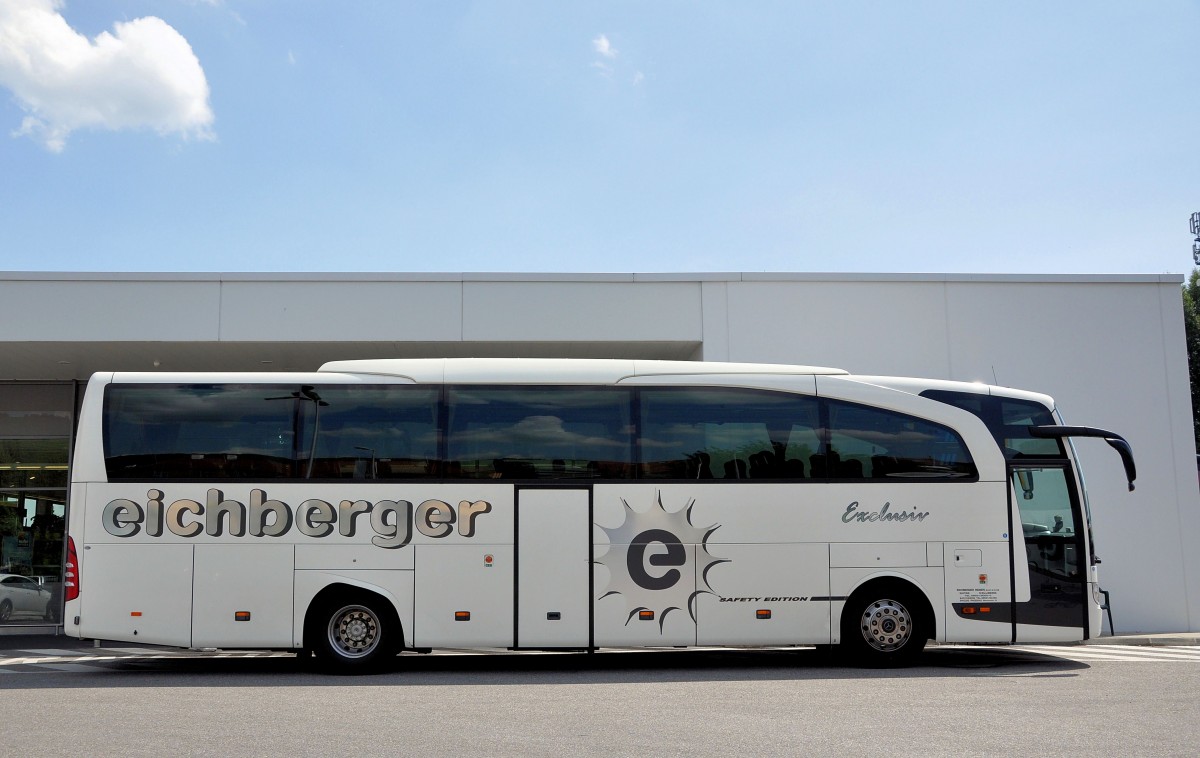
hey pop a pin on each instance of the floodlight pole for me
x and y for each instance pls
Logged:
(1196, 231)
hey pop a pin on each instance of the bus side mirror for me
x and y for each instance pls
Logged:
(1116, 441)
(1126, 452)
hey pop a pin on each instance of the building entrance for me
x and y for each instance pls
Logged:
(35, 431)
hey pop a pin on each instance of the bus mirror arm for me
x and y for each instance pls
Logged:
(1126, 452)
(1115, 441)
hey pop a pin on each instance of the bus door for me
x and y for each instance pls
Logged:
(1049, 571)
(554, 567)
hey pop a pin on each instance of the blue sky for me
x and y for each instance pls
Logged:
(295, 135)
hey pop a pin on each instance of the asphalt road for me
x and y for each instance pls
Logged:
(982, 701)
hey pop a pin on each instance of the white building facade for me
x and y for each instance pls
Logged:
(1110, 349)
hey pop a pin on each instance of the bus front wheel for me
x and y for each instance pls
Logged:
(356, 633)
(884, 626)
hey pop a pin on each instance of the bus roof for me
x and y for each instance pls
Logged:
(605, 371)
(917, 386)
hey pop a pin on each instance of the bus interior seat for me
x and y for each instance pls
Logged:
(762, 465)
(836, 468)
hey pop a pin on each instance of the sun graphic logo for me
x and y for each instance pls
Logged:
(652, 560)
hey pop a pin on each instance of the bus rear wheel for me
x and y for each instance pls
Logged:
(355, 634)
(884, 627)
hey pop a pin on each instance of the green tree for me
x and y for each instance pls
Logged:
(1191, 328)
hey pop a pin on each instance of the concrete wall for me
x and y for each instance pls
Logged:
(1111, 353)
(1110, 349)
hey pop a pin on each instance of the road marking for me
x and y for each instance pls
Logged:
(1127, 653)
(72, 660)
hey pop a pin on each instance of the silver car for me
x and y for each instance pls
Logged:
(21, 595)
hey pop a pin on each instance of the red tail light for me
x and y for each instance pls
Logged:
(71, 571)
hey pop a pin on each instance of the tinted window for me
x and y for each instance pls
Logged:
(873, 443)
(723, 433)
(200, 431)
(213, 432)
(373, 432)
(266, 432)
(33, 462)
(1008, 420)
(538, 433)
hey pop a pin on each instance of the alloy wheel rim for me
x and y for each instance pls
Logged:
(354, 631)
(886, 625)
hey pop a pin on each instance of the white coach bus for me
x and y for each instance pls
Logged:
(377, 506)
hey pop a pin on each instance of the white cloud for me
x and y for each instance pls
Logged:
(604, 47)
(142, 75)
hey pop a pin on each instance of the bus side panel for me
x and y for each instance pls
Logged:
(649, 557)
(254, 579)
(977, 575)
(137, 593)
(75, 532)
(790, 582)
(619, 621)
(473, 579)
(352, 557)
(395, 586)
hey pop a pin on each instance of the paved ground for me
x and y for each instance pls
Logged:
(1002, 701)
(44, 654)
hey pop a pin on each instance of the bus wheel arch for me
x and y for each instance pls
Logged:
(886, 622)
(351, 629)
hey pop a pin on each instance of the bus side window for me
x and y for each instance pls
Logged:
(201, 431)
(803, 442)
(1009, 420)
(875, 443)
(539, 432)
(726, 433)
(376, 433)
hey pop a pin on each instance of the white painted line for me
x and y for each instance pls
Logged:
(1115, 653)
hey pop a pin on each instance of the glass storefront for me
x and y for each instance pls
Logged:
(35, 440)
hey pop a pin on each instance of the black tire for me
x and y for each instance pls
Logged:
(884, 626)
(6, 609)
(354, 633)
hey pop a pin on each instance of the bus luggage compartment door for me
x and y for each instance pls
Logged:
(553, 567)
(137, 593)
(244, 596)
